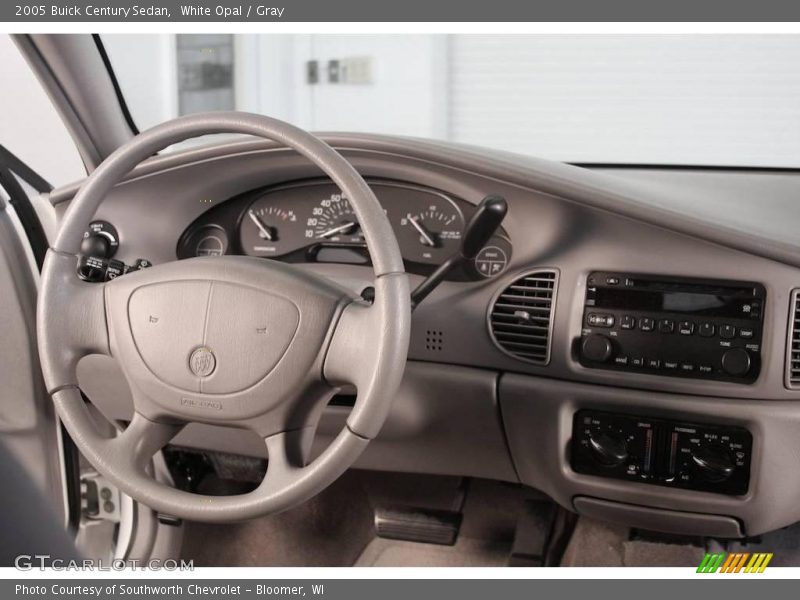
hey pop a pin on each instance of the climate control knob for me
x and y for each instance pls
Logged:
(712, 464)
(608, 450)
(597, 348)
(736, 362)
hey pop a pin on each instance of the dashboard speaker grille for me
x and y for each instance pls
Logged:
(793, 348)
(520, 318)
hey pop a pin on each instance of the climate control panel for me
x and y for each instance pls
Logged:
(693, 456)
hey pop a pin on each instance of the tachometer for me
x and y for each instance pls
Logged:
(333, 220)
(269, 229)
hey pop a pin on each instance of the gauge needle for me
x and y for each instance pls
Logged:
(265, 232)
(425, 236)
(338, 229)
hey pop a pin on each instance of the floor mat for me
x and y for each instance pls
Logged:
(465, 553)
(784, 544)
(598, 544)
(330, 530)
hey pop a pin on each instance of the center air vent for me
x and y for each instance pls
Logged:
(793, 347)
(520, 317)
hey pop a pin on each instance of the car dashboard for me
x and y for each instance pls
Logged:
(624, 343)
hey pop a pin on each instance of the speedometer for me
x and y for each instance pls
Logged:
(333, 220)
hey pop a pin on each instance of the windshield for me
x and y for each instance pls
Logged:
(712, 100)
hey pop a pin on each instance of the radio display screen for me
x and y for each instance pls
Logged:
(732, 303)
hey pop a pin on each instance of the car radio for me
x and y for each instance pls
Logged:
(707, 329)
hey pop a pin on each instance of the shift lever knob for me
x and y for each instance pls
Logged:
(480, 229)
(483, 225)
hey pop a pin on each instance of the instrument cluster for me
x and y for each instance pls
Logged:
(312, 221)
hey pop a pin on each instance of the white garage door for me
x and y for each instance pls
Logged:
(723, 100)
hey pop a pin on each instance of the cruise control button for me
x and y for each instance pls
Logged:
(686, 328)
(706, 329)
(727, 331)
(647, 324)
(666, 326)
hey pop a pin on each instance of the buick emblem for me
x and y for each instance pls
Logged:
(202, 361)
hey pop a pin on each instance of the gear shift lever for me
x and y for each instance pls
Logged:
(481, 227)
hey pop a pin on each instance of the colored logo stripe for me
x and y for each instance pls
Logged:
(735, 562)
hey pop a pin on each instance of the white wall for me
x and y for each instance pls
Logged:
(674, 99)
(29, 125)
(719, 99)
(148, 74)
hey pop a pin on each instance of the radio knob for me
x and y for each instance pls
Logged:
(597, 348)
(712, 464)
(609, 451)
(736, 362)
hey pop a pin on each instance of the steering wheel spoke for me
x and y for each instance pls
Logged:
(72, 312)
(143, 438)
(368, 341)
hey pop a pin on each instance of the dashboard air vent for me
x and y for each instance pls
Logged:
(793, 348)
(520, 317)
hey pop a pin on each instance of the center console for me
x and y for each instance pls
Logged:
(679, 327)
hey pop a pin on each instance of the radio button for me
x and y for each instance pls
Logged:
(612, 280)
(705, 369)
(627, 322)
(621, 360)
(637, 361)
(687, 367)
(727, 332)
(670, 365)
(706, 329)
(596, 320)
(746, 333)
(653, 363)
(666, 326)
(686, 328)
(647, 324)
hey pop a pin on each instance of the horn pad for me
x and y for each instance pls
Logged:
(210, 337)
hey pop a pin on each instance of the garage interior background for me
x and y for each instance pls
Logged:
(660, 99)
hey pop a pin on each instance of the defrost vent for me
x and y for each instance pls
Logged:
(793, 347)
(520, 318)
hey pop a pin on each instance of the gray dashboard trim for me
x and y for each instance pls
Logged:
(637, 197)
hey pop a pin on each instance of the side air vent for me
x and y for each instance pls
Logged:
(520, 318)
(793, 347)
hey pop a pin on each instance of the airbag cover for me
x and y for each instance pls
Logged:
(242, 333)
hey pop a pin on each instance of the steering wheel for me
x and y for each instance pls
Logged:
(235, 341)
